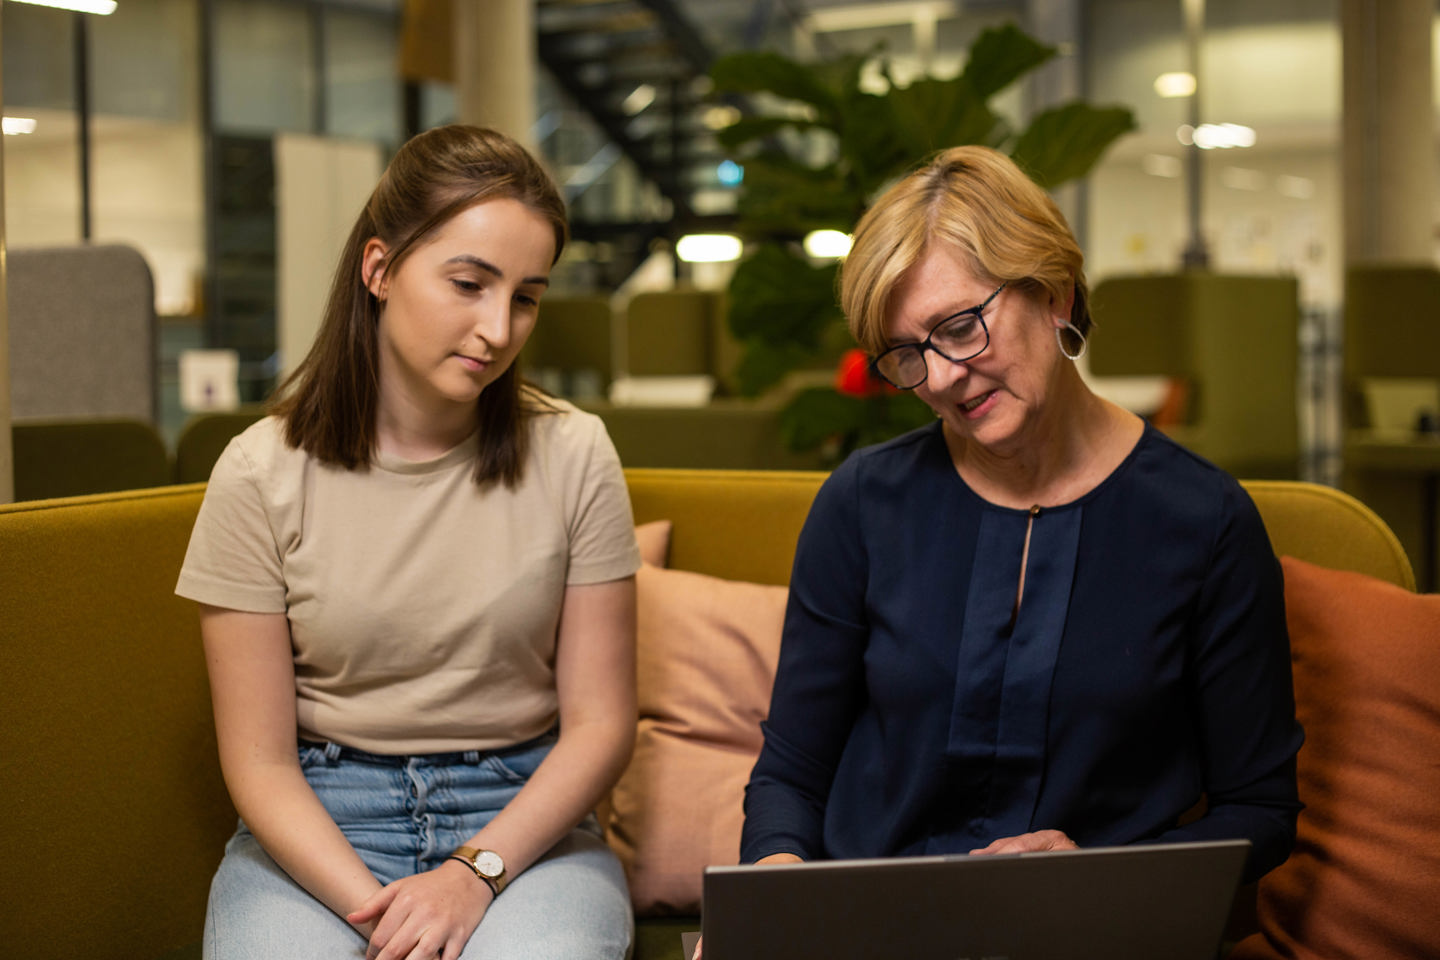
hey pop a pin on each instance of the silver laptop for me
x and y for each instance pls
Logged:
(1160, 901)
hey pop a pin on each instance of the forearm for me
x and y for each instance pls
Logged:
(287, 818)
(778, 819)
(584, 763)
(1270, 830)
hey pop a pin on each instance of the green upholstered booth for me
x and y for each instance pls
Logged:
(1392, 333)
(203, 438)
(573, 339)
(70, 457)
(728, 433)
(1232, 340)
(678, 333)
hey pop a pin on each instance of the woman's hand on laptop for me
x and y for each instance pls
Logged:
(780, 858)
(1029, 843)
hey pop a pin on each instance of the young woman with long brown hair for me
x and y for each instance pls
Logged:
(417, 602)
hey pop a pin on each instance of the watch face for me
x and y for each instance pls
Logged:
(488, 862)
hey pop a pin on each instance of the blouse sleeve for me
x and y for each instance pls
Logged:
(1244, 694)
(819, 683)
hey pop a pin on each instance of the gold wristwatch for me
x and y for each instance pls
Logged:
(488, 865)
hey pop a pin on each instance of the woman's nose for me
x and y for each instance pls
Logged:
(941, 372)
(492, 324)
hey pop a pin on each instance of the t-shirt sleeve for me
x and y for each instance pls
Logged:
(233, 560)
(600, 524)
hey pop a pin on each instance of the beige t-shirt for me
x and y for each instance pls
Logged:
(423, 610)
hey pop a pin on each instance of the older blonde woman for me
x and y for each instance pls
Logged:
(1037, 623)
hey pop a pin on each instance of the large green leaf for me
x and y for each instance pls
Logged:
(1000, 56)
(769, 72)
(785, 198)
(820, 415)
(748, 129)
(1063, 143)
(889, 416)
(777, 297)
(931, 115)
(762, 365)
(869, 145)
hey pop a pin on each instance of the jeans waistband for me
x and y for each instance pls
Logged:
(336, 751)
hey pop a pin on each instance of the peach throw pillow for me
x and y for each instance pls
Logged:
(1364, 880)
(707, 655)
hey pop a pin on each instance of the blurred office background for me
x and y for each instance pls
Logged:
(230, 143)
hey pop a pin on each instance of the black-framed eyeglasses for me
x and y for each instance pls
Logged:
(959, 337)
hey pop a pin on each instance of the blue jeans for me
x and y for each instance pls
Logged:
(404, 815)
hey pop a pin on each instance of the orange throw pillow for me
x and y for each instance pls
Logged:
(1364, 880)
(707, 655)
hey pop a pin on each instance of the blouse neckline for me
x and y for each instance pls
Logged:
(942, 452)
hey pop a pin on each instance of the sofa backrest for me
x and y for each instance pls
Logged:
(743, 524)
(735, 524)
(116, 811)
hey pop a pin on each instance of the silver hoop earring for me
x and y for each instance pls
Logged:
(1060, 339)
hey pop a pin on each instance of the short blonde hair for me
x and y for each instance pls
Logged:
(977, 200)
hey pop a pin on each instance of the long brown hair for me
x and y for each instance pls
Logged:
(980, 203)
(329, 403)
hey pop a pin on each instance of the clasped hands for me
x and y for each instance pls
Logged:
(423, 916)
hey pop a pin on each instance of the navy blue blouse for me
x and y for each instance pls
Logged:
(916, 711)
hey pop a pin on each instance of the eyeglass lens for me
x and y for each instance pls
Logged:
(957, 339)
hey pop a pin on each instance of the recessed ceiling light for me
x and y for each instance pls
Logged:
(708, 247)
(1175, 84)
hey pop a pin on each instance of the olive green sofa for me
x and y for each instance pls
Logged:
(115, 809)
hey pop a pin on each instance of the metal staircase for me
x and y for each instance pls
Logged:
(640, 70)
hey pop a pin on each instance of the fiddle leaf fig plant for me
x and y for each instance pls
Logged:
(821, 156)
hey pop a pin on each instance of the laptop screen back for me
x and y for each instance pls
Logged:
(1162, 901)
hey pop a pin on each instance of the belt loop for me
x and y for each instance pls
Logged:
(472, 757)
(332, 751)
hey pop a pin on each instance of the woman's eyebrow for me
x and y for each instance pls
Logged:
(493, 270)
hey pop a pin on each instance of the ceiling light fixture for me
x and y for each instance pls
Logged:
(1216, 136)
(102, 7)
(1180, 84)
(827, 244)
(708, 248)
